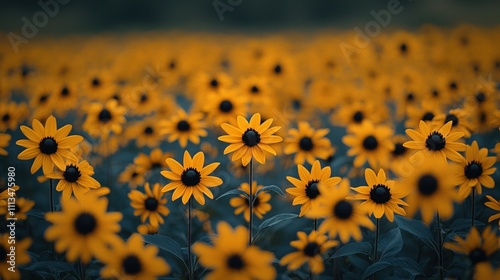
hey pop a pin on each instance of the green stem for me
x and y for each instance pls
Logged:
(81, 270)
(473, 206)
(250, 203)
(377, 236)
(51, 201)
(190, 265)
(440, 237)
(315, 224)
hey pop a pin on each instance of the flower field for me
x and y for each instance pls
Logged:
(174, 155)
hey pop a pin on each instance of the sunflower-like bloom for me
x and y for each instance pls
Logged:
(191, 178)
(430, 189)
(83, 228)
(485, 270)
(132, 175)
(150, 204)
(260, 205)
(5, 194)
(342, 217)
(22, 256)
(381, 196)
(21, 207)
(75, 178)
(478, 247)
(155, 160)
(305, 190)
(225, 106)
(148, 229)
(474, 170)
(48, 145)
(308, 144)
(232, 258)
(309, 249)
(495, 205)
(437, 144)
(103, 119)
(4, 142)
(250, 139)
(184, 127)
(370, 143)
(133, 260)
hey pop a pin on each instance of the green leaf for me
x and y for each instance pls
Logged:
(35, 213)
(234, 192)
(407, 264)
(353, 248)
(165, 243)
(272, 188)
(391, 243)
(418, 229)
(276, 219)
(464, 223)
(376, 267)
(55, 267)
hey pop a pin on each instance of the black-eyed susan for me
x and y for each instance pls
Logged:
(21, 207)
(354, 113)
(20, 253)
(65, 97)
(436, 144)
(258, 92)
(381, 196)
(104, 119)
(232, 258)
(460, 119)
(399, 155)
(477, 247)
(224, 106)
(83, 228)
(148, 229)
(132, 175)
(6, 193)
(191, 178)
(142, 101)
(133, 260)
(184, 127)
(48, 145)
(305, 190)
(4, 143)
(250, 139)
(494, 205)
(310, 250)
(12, 114)
(474, 171)
(484, 270)
(426, 111)
(150, 204)
(430, 190)
(146, 132)
(369, 142)
(342, 217)
(152, 163)
(75, 179)
(261, 202)
(308, 144)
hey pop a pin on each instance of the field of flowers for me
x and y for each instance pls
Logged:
(288, 156)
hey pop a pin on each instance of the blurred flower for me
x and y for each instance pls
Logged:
(191, 178)
(150, 204)
(48, 145)
(65, 98)
(308, 144)
(309, 249)
(21, 207)
(260, 206)
(306, 191)
(399, 155)
(477, 247)
(152, 163)
(495, 205)
(75, 179)
(22, 256)
(4, 143)
(103, 119)
(460, 121)
(224, 106)
(250, 139)
(11, 114)
(133, 260)
(83, 228)
(148, 229)
(184, 127)
(4, 195)
(142, 101)
(145, 132)
(484, 270)
(426, 111)
(132, 175)
(232, 258)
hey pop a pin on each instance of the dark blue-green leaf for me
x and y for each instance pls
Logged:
(234, 192)
(353, 248)
(165, 243)
(376, 267)
(418, 229)
(406, 264)
(272, 188)
(276, 219)
(391, 243)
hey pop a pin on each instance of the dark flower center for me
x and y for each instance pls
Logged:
(380, 194)
(3, 254)
(483, 117)
(85, 223)
(226, 106)
(132, 265)
(254, 89)
(480, 97)
(116, 97)
(277, 69)
(105, 115)
(399, 149)
(358, 117)
(453, 118)
(48, 145)
(151, 204)
(134, 174)
(403, 48)
(190, 177)
(72, 173)
(96, 82)
(435, 141)
(435, 93)
(428, 116)
(343, 210)
(478, 255)
(6, 117)
(156, 165)
(235, 262)
(148, 130)
(312, 189)
(144, 97)
(370, 143)
(214, 83)
(183, 125)
(427, 184)
(172, 65)
(453, 85)
(306, 143)
(17, 209)
(251, 137)
(43, 98)
(410, 96)
(473, 170)
(65, 91)
(311, 249)
(256, 201)
(296, 104)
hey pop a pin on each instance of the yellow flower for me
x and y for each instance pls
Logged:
(224, 106)
(148, 229)
(75, 178)
(21, 207)
(48, 145)
(308, 144)
(309, 249)
(232, 258)
(132, 175)
(191, 178)
(478, 247)
(250, 139)
(11, 114)
(133, 260)
(260, 206)
(156, 160)
(495, 205)
(21, 256)
(184, 127)
(150, 204)
(104, 119)
(4, 142)
(484, 270)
